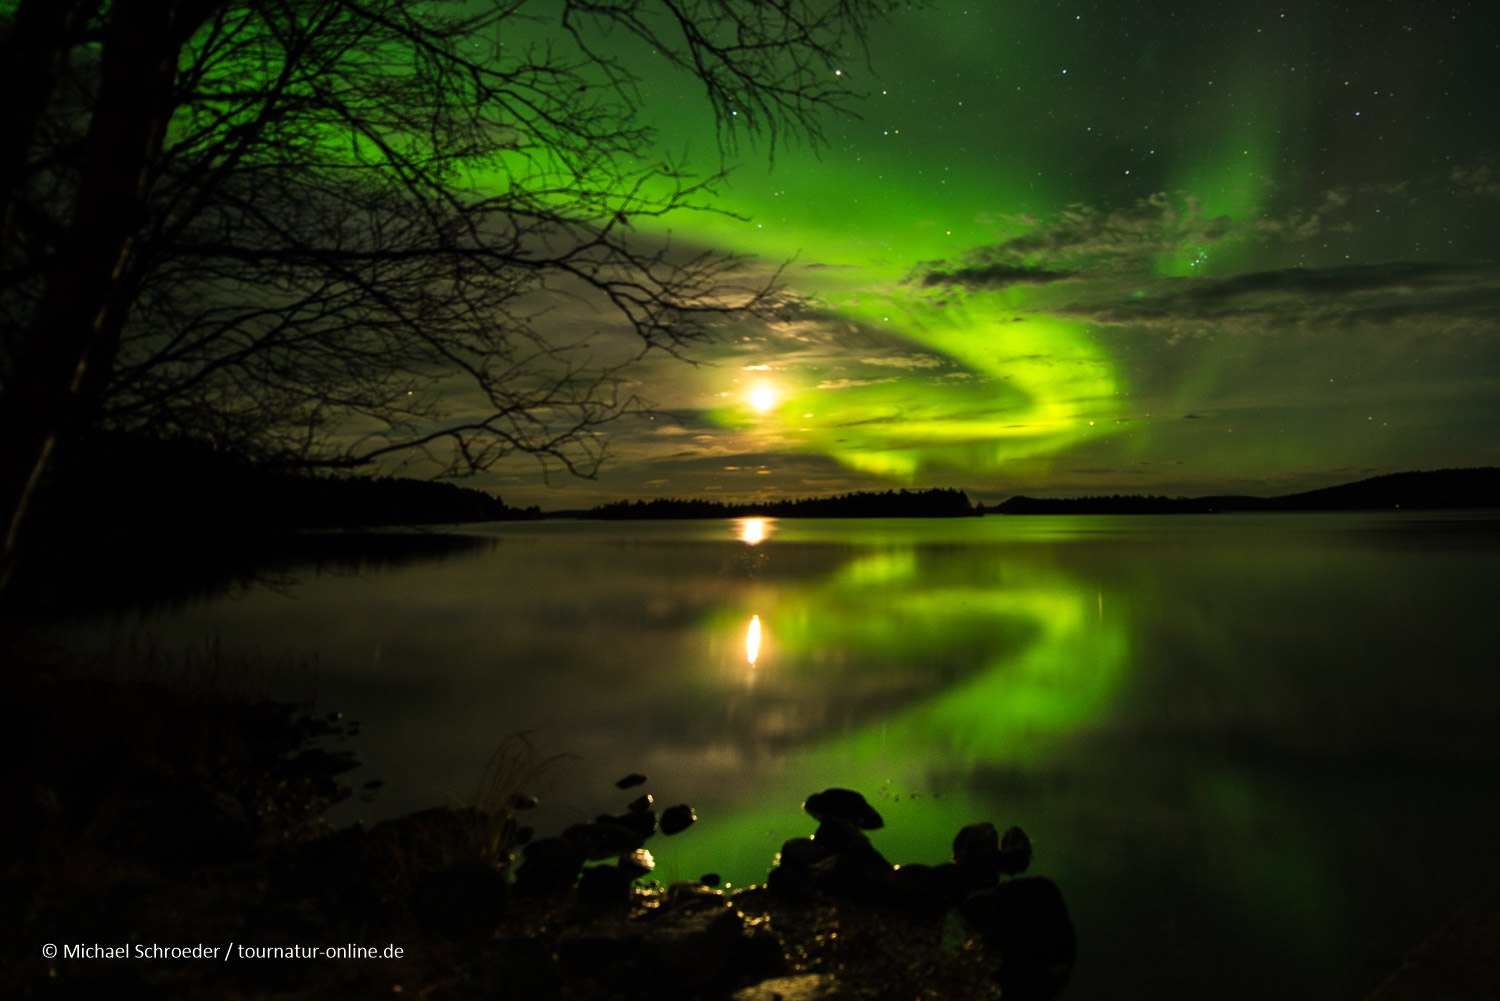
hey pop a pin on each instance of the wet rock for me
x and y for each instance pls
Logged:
(642, 823)
(846, 804)
(922, 889)
(976, 845)
(858, 873)
(692, 947)
(1026, 921)
(835, 834)
(677, 818)
(639, 862)
(630, 781)
(1015, 851)
(760, 955)
(685, 894)
(799, 853)
(976, 857)
(549, 864)
(605, 886)
(791, 884)
(608, 950)
(802, 987)
(602, 840)
(526, 967)
(462, 900)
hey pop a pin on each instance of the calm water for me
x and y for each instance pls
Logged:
(1256, 751)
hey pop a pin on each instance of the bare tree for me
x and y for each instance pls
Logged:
(293, 227)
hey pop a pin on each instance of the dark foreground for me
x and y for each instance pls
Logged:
(168, 841)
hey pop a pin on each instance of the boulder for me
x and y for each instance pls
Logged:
(692, 947)
(677, 818)
(1026, 921)
(846, 804)
(1015, 851)
(460, 901)
(549, 864)
(858, 873)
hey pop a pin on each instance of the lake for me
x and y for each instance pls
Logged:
(1257, 752)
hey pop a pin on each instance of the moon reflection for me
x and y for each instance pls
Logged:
(752, 640)
(754, 530)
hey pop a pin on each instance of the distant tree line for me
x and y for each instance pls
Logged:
(1435, 489)
(122, 484)
(937, 503)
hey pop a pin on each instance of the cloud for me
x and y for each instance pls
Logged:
(995, 275)
(1459, 298)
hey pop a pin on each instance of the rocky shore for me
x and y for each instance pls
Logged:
(165, 845)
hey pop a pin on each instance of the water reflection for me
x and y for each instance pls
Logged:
(1216, 730)
(753, 531)
(752, 640)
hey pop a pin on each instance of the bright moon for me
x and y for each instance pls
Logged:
(762, 398)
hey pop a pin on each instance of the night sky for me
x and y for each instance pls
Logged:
(1087, 248)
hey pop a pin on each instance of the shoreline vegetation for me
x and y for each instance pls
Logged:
(171, 808)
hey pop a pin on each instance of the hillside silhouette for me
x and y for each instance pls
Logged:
(1430, 490)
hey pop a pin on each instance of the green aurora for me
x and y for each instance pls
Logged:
(1083, 251)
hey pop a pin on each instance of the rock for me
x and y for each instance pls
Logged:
(922, 889)
(760, 955)
(1026, 921)
(639, 862)
(786, 883)
(1015, 851)
(605, 950)
(677, 818)
(692, 947)
(641, 804)
(976, 844)
(605, 886)
(803, 987)
(522, 801)
(602, 840)
(526, 967)
(976, 857)
(462, 900)
(633, 779)
(640, 822)
(835, 834)
(799, 853)
(846, 804)
(685, 894)
(858, 873)
(710, 879)
(549, 864)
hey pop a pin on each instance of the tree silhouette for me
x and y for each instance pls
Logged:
(301, 230)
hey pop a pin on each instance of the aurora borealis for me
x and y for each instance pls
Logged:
(1079, 248)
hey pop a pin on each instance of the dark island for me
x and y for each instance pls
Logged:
(1432, 490)
(939, 503)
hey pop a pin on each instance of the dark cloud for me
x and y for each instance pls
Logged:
(994, 275)
(1457, 296)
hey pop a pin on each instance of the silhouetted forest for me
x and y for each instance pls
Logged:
(938, 503)
(122, 482)
(1436, 489)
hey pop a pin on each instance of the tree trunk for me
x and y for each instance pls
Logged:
(64, 358)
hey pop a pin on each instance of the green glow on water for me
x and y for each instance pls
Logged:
(1014, 663)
